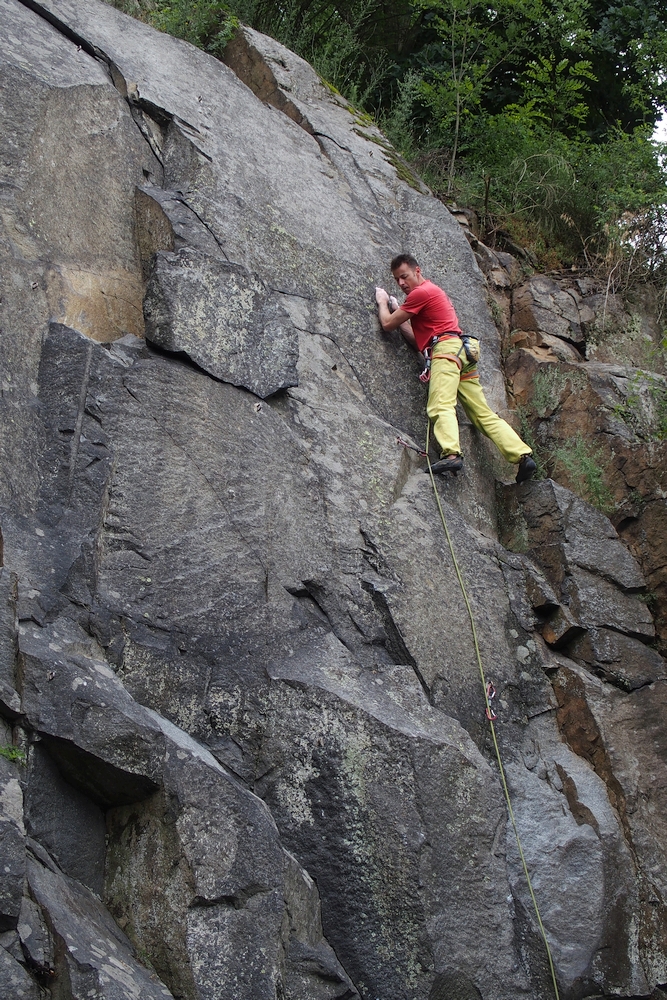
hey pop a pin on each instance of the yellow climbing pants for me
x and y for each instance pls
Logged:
(453, 378)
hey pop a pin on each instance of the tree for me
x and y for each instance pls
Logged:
(555, 92)
(628, 52)
(476, 39)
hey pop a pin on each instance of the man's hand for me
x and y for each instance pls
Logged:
(392, 317)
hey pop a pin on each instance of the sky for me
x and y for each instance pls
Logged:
(660, 134)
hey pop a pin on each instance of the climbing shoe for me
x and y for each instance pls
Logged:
(454, 465)
(527, 468)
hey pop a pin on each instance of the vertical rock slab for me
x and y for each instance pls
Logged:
(15, 982)
(68, 212)
(228, 322)
(222, 921)
(358, 794)
(9, 699)
(94, 958)
(593, 573)
(602, 724)
(64, 821)
(12, 845)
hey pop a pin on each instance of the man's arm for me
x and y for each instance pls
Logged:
(397, 320)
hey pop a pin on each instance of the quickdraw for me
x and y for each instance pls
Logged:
(490, 694)
(412, 447)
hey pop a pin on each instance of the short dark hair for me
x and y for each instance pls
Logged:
(403, 258)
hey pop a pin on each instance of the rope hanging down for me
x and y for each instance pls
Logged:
(489, 692)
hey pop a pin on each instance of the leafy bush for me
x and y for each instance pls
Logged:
(536, 113)
(565, 199)
(208, 24)
(582, 465)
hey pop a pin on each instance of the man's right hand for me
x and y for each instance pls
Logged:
(381, 296)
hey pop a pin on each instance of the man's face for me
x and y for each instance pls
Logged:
(407, 277)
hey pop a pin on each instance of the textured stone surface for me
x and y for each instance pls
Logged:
(615, 410)
(603, 725)
(36, 941)
(542, 305)
(365, 811)
(232, 623)
(222, 318)
(619, 658)
(9, 699)
(12, 851)
(15, 982)
(593, 573)
(65, 821)
(94, 957)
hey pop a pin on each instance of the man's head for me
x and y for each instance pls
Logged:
(407, 272)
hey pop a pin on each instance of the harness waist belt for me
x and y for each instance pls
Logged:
(447, 335)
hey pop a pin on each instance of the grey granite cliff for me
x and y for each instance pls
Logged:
(233, 650)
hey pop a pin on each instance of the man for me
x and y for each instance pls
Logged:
(428, 323)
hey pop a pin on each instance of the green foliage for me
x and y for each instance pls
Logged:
(15, 754)
(496, 313)
(475, 47)
(581, 462)
(554, 92)
(338, 39)
(577, 461)
(565, 197)
(398, 122)
(650, 599)
(548, 386)
(208, 24)
(536, 113)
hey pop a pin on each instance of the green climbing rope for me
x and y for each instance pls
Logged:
(489, 714)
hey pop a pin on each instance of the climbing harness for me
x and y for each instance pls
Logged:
(469, 345)
(489, 695)
(425, 376)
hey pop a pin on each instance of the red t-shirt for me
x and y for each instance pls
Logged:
(431, 312)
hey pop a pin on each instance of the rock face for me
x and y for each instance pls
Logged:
(223, 319)
(244, 748)
(586, 370)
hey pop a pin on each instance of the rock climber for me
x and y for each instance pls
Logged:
(429, 324)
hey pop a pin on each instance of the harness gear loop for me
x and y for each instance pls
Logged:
(489, 692)
(428, 354)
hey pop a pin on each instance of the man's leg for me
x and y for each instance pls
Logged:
(441, 406)
(506, 440)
